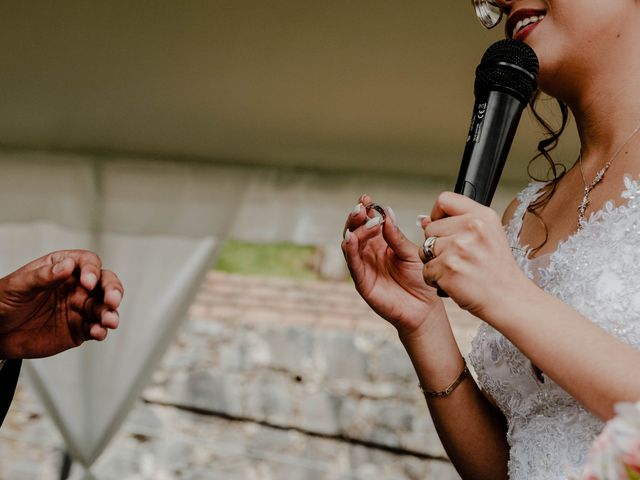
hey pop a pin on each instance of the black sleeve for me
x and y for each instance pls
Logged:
(8, 381)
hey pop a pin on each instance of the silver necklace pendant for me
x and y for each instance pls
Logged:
(599, 176)
(584, 204)
(582, 207)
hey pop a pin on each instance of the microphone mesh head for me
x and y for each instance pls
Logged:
(511, 66)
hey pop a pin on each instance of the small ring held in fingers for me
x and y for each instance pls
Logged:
(377, 208)
(428, 249)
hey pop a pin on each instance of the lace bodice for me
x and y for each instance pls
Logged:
(595, 271)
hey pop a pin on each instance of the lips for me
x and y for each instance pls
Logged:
(521, 22)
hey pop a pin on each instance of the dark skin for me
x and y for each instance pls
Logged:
(57, 302)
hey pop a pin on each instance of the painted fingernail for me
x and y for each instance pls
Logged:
(58, 267)
(420, 219)
(393, 217)
(347, 235)
(356, 210)
(373, 222)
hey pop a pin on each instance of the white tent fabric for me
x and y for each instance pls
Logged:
(152, 223)
(158, 224)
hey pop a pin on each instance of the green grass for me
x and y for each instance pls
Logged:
(273, 260)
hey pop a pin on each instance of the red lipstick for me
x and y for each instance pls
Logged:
(522, 15)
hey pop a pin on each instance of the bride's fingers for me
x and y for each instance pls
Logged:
(449, 225)
(357, 216)
(369, 229)
(396, 240)
(365, 199)
(351, 250)
(449, 204)
(362, 212)
(432, 272)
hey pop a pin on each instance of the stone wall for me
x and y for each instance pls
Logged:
(268, 379)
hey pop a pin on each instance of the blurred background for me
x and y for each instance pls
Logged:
(210, 151)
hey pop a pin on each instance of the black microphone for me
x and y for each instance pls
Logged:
(505, 81)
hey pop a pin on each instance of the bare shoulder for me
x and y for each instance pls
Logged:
(509, 211)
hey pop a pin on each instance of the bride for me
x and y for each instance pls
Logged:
(555, 282)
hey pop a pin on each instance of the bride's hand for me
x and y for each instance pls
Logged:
(472, 259)
(386, 268)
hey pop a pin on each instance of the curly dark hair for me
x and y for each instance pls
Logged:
(555, 170)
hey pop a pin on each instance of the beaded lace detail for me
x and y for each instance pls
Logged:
(595, 272)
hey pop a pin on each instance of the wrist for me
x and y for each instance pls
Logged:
(433, 339)
(435, 354)
(512, 299)
(434, 317)
(448, 390)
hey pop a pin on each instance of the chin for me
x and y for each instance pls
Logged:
(550, 76)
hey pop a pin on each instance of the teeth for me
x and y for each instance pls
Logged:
(524, 22)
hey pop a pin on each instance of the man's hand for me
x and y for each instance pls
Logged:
(57, 302)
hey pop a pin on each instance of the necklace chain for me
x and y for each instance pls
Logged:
(582, 207)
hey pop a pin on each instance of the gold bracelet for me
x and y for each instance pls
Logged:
(447, 391)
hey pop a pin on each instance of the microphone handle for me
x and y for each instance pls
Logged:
(493, 126)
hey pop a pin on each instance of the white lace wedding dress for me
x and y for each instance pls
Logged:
(596, 272)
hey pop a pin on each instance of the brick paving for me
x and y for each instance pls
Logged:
(319, 304)
(266, 374)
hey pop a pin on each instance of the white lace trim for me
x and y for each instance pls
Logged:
(595, 272)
